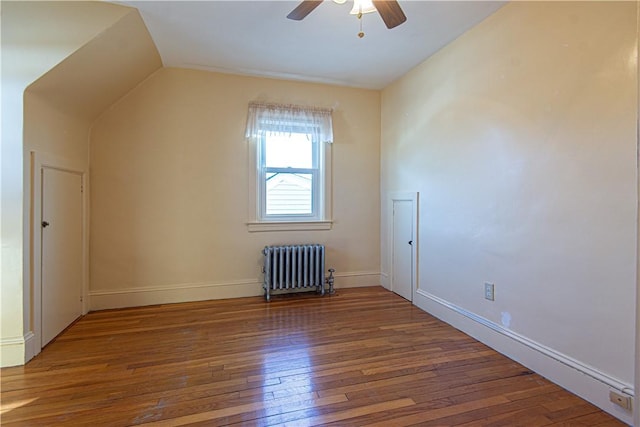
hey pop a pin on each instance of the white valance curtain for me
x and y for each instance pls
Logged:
(285, 119)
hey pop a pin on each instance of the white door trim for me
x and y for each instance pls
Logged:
(412, 197)
(38, 162)
(636, 405)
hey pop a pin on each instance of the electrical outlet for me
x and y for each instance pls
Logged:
(620, 399)
(489, 291)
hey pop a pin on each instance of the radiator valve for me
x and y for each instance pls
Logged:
(330, 279)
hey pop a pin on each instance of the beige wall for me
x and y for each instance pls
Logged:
(59, 109)
(35, 37)
(63, 63)
(57, 139)
(169, 177)
(47, 129)
(521, 138)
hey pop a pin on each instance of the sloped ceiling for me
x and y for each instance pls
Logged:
(246, 37)
(256, 38)
(37, 35)
(102, 71)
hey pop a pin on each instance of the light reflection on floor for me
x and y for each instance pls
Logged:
(7, 407)
(286, 369)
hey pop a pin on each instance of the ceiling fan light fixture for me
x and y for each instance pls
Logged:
(389, 10)
(362, 6)
(340, 1)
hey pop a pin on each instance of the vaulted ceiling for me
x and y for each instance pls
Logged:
(256, 38)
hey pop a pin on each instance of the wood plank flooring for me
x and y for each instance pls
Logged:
(360, 357)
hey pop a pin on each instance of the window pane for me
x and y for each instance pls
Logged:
(289, 151)
(289, 194)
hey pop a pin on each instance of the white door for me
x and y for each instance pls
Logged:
(402, 257)
(61, 251)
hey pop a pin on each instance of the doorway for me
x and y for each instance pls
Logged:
(58, 245)
(403, 239)
(61, 262)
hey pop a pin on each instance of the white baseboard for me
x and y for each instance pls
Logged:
(186, 292)
(11, 351)
(31, 348)
(571, 374)
(357, 279)
(384, 281)
(16, 351)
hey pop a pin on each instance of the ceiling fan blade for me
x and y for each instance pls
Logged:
(390, 12)
(303, 9)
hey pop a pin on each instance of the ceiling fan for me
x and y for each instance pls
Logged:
(389, 11)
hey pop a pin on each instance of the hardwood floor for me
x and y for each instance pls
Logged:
(360, 357)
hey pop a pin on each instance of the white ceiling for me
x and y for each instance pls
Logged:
(256, 38)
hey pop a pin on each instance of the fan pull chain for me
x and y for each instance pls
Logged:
(361, 33)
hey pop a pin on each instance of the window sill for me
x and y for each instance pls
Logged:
(289, 226)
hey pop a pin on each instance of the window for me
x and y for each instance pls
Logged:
(292, 169)
(290, 175)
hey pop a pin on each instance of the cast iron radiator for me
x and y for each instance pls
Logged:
(295, 267)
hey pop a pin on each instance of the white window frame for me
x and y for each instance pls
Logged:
(321, 197)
